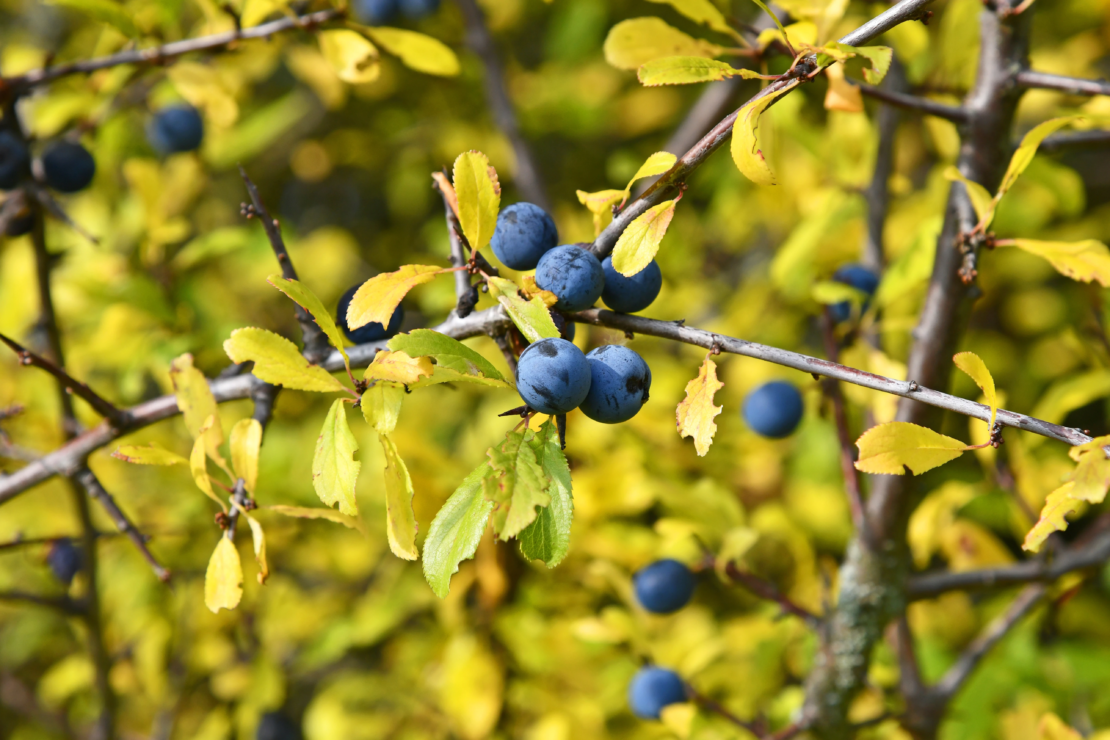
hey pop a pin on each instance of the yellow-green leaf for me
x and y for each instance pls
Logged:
(1086, 261)
(696, 412)
(148, 455)
(775, 17)
(377, 298)
(600, 204)
(300, 294)
(456, 531)
(479, 197)
(878, 58)
(531, 317)
(446, 351)
(639, 243)
(105, 11)
(701, 11)
(223, 581)
(400, 524)
(548, 537)
(246, 441)
(196, 402)
(1028, 149)
(381, 406)
(841, 94)
(688, 71)
(1057, 507)
(974, 366)
(416, 50)
(898, 446)
(747, 150)
(516, 483)
(636, 41)
(351, 55)
(334, 467)
(277, 361)
(398, 367)
(1052, 727)
(258, 538)
(802, 32)
(198, 466)
(331, 515)
(1091, 477)
(981, 199)
(656, 164)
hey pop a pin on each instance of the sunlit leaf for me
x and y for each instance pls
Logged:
(1052, 727)
(600, 204)
(1086, 261)
(377, 298)
(196, 402)
(381, 406)
(701, 11)
(300, 294)
(747, 150)
(636, 41)
(223, 581)
(1057, 507)
(479, 196)
(351, 55)
(1028, 149)
(974, 366)
(878, 58)
(548, 537)
(446, 351)
(898, 446)
(334, 467)
(258, 538)
(1091, 477)
(277, 361)
(416, 50)
(516, 483)
(688, 71)
(400, 519)
(198, 466)
(696, 412)
(842, 95)
(639, 243)
(246, 441)
(802, 32)
(531, 317)
(398, 367)
(148, 455)
(331, 515)
(456, 531)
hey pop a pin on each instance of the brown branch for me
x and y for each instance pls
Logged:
(114, 415)
(768, 591)
(719, 709)
(1075, 140)
(877, 193)
(914, 103)
(167, 52)
(466, 294)
(62, 603)
(1031, 79)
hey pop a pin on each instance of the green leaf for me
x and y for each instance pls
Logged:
(450, 375)
(416, 50)
(381, 406)
(105, 11)
(639, 242)
(516, 483)
(531, 317)
(1028, 149)
(334, 467)
(478, 193)
(149, 455)
(636, 41)
(688, 71)
(447, 353)
(456, 531)
(300, 294)
(878, 58)
(400, 518)
(277, 361)
(548, 538)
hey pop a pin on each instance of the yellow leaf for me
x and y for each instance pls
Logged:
(351, 55)
(246, 440)
(600, 204)
(331, 515)
(746, 148)
(1091, 477)
(679, 718)
(258, 537)
(256, 11)
(531, 290)
(377, 298)
(1076, 453)
(894, 447)
(416, 50)
(300, 294)
(223, 581)
(842, 95)
(639, 243)
(688, 71)
(531, 317)
(198, 466)
(195, 400)
(149, 455)
(1086, 261)
(400, 519)
(398, 367)
(334, 467)
(802, 32)
(479, 195)
(1028, 149)
(276, 360)
(878, 58)
(977, 370)
(381, 406)
(472, 689)
(701, 11)
(636, 41)
(1052, 727)
(656, 164)
(696, 412)
(981, 199)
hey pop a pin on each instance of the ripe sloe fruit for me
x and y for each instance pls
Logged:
(619, 384)
(375, 12)
(176, 129)
(573, 274)
(774, 409)
(524, 233)
(68, 167)
(665, 586)
(553, 376)
(860, 278)
(631, 294)
(652, 689)
(417, 9)
(14, 160)
(373, 331)
(65, 560)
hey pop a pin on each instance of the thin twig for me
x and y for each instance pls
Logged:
(1029, 78)
(465, 294)
(953, 113)
(1075, 140)
(717, 708)
(877, 193)
(61, 603)
(767, 590)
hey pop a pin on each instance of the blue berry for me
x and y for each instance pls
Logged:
(774, 409)
(375, 12)
(68, 167)
(860, 278)
(573, 274)
(631, 294)
(524, 233)
(276, 726)
(663, 587)
(373, 331)
(176, 129)
(65, 560)
(652, 689)
(619, 384)
(14, 160)
(553, 376)
(417, 9)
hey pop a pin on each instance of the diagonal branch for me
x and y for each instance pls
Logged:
(953, 113)
(767, 590)
(61, 603)
(114, 415)
(1075, 140)
(877, 193)
(1029, 78)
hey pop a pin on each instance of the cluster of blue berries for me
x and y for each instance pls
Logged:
(663, 587)
(381, 12)
(67, 166)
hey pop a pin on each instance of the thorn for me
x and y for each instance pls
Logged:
(518, 411)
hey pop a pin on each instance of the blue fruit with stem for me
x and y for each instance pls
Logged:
(375, 12)
(631, 294)
(573, 274)
(68, 167)
(654, 688)
(665, 586)
(372, 332)
(553, 376)
(524, 233)
(178, 128)
(65, 560)
(774, 409)
(14, 160)
(619, 384)
(859, 277)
